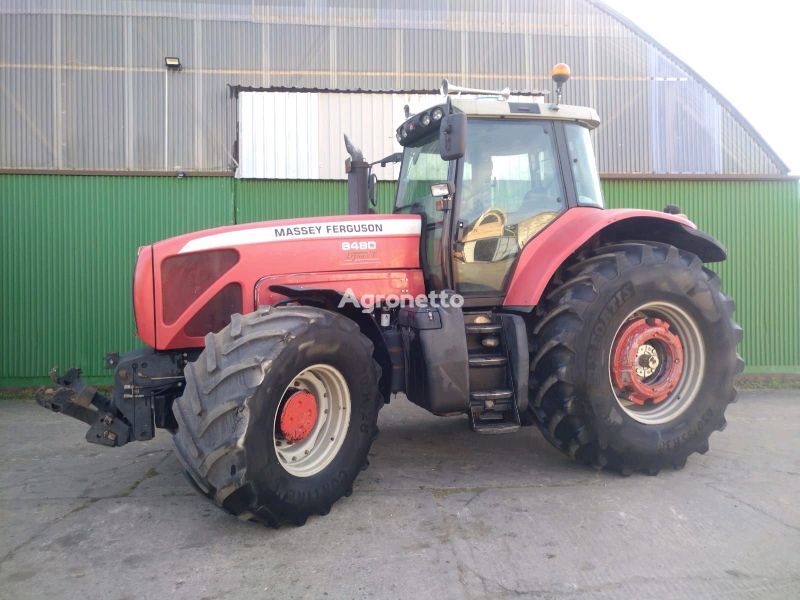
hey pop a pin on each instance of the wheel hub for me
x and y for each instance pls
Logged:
(647, 361)
(312, 420)
(299, 416)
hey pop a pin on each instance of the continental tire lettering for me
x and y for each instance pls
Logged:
(622, 295)
(699, 427)
(600, 327)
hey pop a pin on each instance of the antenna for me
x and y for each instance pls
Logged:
(448, 89)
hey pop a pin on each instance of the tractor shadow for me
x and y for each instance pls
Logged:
(418, 450)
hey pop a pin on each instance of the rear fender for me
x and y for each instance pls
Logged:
(582, 227)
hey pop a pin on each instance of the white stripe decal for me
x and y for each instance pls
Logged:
(300, 231)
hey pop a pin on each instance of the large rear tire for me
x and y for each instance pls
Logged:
(279, 413)
(635, 358)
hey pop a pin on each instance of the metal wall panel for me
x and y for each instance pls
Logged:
(68, 245)
(759, 223)
(278, 136)
(70, 74)
(67, 250)
(311, 126)
(28, 109)
(266, 200)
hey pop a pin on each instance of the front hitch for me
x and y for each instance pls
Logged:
(146, 382)
(76, 398)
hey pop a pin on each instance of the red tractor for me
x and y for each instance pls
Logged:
(500, 288)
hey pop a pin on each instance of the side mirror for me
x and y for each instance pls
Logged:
(453, 136)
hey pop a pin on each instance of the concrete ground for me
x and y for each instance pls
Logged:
(441, 513)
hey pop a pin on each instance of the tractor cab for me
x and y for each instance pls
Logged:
(487, 173)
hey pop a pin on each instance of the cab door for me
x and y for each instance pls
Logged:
(510, 187)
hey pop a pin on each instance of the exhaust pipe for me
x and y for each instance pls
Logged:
(357, 170)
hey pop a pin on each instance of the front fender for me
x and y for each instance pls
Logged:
(331, 299)
(544, 254)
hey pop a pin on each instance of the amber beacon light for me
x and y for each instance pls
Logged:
(560, 74)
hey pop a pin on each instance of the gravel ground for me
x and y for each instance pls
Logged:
(441, 513)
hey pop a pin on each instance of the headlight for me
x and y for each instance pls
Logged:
(425, 120)
(437, 114)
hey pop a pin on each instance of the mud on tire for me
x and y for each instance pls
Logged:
(572, 398)
(227, 414)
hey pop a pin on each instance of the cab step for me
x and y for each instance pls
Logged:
(496, 427)
(491, 405)
(483, 328)
(488, 360)
(493, 395)
(492, 398)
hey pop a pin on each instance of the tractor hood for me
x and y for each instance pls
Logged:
(188, 286)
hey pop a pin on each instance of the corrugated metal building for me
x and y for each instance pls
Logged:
(84, 90)
(85, 85)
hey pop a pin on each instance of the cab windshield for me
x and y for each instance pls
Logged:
(422, 167)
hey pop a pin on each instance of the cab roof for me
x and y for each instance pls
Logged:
(419, 126)
(495, 107)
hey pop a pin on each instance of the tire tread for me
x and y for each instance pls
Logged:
(563, 420)
(212, 412)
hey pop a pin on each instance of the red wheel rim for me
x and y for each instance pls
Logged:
(647, 361)
(298, 416)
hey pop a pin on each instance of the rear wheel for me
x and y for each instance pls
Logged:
(279, 413)
(635, 358)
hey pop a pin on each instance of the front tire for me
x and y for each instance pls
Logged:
(635, 358)
(279, 413)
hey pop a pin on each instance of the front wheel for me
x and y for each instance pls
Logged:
(279, 413)
(635, 358)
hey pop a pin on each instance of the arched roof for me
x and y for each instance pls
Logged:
(724, 102)
(73, 68)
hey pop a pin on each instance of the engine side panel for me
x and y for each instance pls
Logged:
(410, 282)
(382, 252)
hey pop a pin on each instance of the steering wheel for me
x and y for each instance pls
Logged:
(491, 223)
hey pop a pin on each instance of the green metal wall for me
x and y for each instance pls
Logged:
(759, 223)
(262, 200)
(68, 245)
